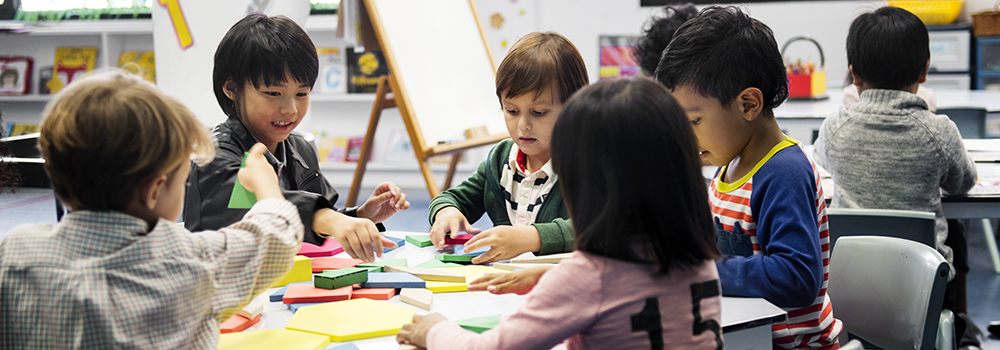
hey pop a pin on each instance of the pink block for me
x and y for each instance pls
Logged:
(329, 248)
(460, 239)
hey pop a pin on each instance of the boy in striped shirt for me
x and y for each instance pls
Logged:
(726, 71)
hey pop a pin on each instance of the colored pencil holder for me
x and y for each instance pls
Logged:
(810, 84)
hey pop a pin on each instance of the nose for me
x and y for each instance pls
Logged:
(288, 106)
(524, 123)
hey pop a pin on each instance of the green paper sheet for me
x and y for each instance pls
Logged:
(241, 198)
(480, 324)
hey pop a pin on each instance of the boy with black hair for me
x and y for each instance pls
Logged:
(888, 151)
(767, 203)
(657, 36)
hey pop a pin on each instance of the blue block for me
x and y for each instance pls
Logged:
(281, 292)
(295, 307)
(345, 346)
(393, 280)
(460, 250)
(399, 243)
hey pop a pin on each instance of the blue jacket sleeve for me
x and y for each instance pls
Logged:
(789, 273)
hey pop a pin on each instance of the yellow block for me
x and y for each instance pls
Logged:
(273, 339)
(470, 272)
(352, 319)
(301, 272)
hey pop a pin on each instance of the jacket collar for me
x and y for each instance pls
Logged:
(245, 139)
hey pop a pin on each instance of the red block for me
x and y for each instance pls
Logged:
(320, 264)
(374, 293)
(237, 323)
(329, 248)
(306, 293)
(460, 239)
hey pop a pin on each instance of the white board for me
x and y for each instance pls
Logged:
(437, 54)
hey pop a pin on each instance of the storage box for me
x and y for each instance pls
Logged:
(805, 80)
(986, 23)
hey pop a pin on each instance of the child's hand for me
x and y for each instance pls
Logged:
(520, 281)
(450, 220)
(359, 237)
(505, 242)
(416, 333)
(386, 201)
(258, 176)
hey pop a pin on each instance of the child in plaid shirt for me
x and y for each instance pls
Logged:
(118, 272)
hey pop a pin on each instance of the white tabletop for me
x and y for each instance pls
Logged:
(737, 313)
(945, 99)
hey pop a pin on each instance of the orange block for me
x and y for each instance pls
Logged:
(237, 323)
(307, 293)
(327, 263)
(374, 293)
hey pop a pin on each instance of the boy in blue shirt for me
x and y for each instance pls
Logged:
(727, 73)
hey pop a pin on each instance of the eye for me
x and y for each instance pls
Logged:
(272, 93)
(696, 121)
(512, 111)
(302, 94)
(540, 113)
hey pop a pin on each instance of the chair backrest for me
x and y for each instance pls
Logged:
(907, 224)
(971, 121)
(888, 291)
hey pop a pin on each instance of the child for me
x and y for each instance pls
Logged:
(656, 38)
(726, 71)
(642, 276)
(889, 151)
(118, 272)
(265, 68)
(515, 185)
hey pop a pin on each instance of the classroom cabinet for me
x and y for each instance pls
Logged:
(950, 62)
(988, 63)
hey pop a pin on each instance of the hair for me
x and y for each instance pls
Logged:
(657, 35)
(103, 135)
(261, 50)
(722, 52)
(623, 204)
(9, 72)
(888, 48)
(539, 61)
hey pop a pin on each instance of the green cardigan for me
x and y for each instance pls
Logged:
(481, 192)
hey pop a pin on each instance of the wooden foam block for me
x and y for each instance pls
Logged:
(419, 240)
(277, 295)
(323, 264)
(471, 273)
(435, 263)
(460, 239)
(367, 319)
(310, 294)
(301, 271)
(374, 293)
(399, 243)
(393, 280)
(428, 274)
(273, 339)
(329, 248)
(333, 279)
(513, 267)
(480, 324)
(348, 346)
(544, 259)
(377, 266)
(418, 297)
(254, 308)
(294, 307)
(460, 250)
(237, 323)
(446, 287)
(457, 259)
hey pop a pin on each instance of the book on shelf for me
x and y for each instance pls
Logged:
(364, 70)
(331, 148)
(15, 75)
(141, 63)
(354, 148)
(332, 70)
(18, 129)
(71, 63)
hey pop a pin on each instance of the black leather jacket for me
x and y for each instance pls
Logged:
(206, 203)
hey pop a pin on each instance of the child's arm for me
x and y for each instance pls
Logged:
(961, 175)
(506, 242)
(467, 199)
(519, 282)
(789, 273)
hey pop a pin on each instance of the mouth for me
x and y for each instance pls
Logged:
(527, 140)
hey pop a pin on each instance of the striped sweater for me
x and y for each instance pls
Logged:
(772, 227)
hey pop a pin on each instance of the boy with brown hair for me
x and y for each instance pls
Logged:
(118, 272)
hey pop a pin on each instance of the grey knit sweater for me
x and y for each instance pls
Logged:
(889, 152)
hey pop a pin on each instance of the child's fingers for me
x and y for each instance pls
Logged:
(437, 234)
(258, 149)
(386, 243)
(401, 200)
(352, 247)
(478, 242)
(486, 280)
(488, 256)
(454, 228)
(471, 230)
(374, 236)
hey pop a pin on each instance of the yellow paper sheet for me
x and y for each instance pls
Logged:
(273, 339)
(301, 272)
(352, 319)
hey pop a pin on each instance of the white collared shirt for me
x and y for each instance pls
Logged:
(524, 192)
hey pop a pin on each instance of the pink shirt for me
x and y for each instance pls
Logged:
(594, 302)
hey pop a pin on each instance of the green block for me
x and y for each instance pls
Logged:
(377, 266)
(419, 240)
(241, 198)
(480, 324)
(460, 259)
(333, 279)
(435, 263)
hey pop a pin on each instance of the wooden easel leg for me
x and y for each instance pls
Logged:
(366, 147)
(425, 168)
(455, 159)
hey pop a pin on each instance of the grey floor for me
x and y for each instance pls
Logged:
(33, 205)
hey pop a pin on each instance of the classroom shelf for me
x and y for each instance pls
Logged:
(26, 98)
(78, 27)
(320, 23)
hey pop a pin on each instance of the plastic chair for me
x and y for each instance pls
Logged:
(971, 121)
(889, 293)
(906, 224)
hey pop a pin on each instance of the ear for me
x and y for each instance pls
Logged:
(750, 102)
(149, 191)
(229, 88)
(923, 75)
(856, 80)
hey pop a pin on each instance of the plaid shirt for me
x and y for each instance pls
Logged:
(98, 280)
